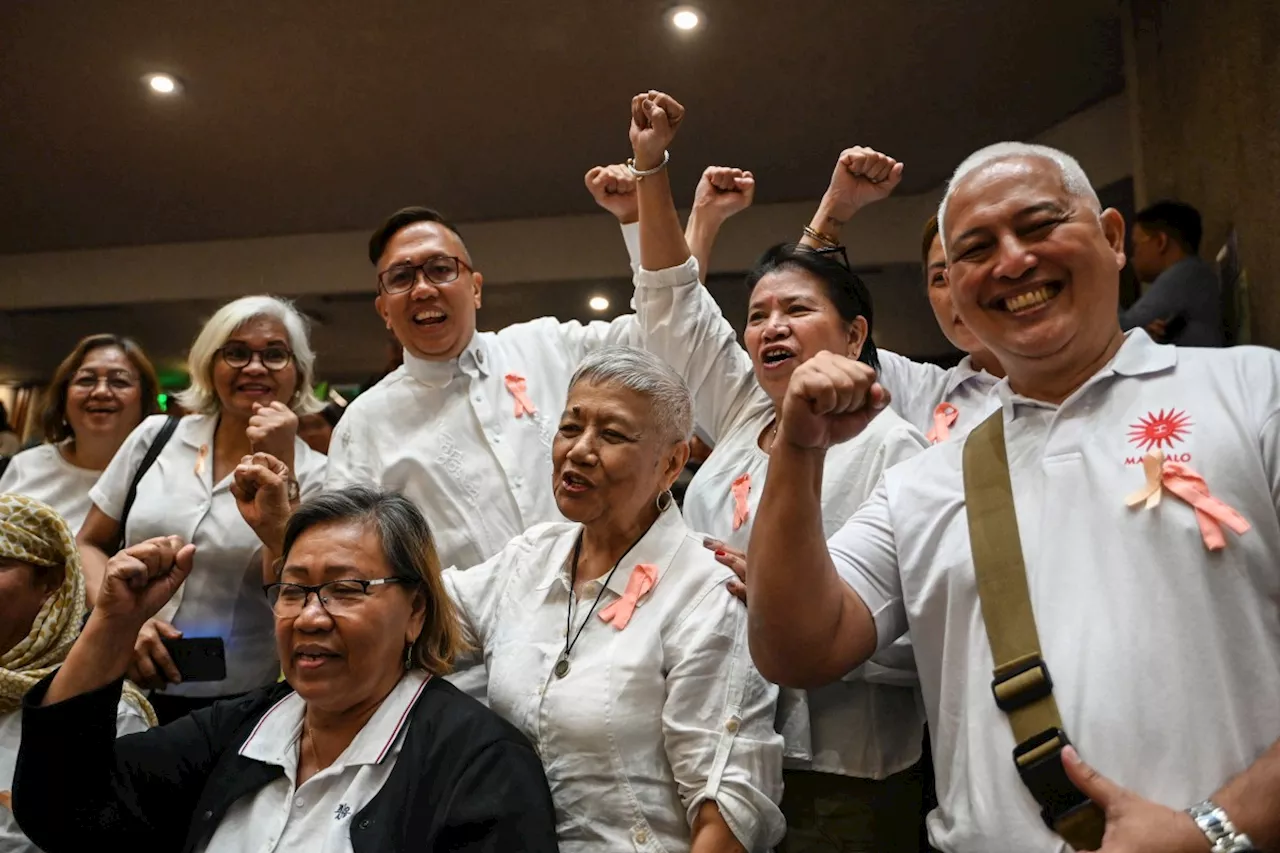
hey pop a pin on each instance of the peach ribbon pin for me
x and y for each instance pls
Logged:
(1184, 483)
(516, 385)
(643, 577)
(944, 418)
(741, 488)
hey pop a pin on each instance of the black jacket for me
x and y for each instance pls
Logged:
(465, 780)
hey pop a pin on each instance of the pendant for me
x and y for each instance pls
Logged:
(561, 668)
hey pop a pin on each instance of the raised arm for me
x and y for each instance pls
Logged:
(862, 176)
(722, 192)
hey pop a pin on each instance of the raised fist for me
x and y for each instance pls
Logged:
(142, 578)
(260, 485)
(614, 189)
(830, 399)
(724, 191)
(272, 429)
(655, 117)
(861, 176)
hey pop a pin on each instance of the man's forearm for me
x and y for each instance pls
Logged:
(1252, 801)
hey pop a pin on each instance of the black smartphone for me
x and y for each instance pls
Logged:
(198, 658)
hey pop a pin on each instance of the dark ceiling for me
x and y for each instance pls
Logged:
(323, 115)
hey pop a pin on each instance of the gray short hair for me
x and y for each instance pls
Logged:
(645, 373)
(1074, 179)
(201, 396)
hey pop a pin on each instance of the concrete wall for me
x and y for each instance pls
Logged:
(1204, 85)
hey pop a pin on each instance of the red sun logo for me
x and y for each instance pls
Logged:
(1160, 430)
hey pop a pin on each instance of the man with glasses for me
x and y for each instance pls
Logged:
(464, 427)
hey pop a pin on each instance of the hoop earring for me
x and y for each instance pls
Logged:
(660, 504)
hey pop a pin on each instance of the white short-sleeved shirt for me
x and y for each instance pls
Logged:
(45, 474)
(12, 839)
(222, 597)
(1165, 657)
(852, 727)
(917, 388)
(315, 816)
(650, 721)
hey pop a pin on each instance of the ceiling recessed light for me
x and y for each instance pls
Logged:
(163, 84)
(598, 303)
(685, 18)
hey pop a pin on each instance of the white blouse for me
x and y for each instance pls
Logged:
(869, 725)
(177, 497)
(650, 721)
(45, 474)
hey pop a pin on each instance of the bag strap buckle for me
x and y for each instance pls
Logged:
(1029, 681)
(1039, 763)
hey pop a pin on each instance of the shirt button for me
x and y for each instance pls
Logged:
(733, 725)
(641, 836)
(497, 439)
(299, 802)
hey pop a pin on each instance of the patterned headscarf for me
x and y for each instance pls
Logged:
(34, 533)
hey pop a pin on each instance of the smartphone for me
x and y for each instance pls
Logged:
(198, 658)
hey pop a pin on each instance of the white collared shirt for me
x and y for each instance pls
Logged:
(12, 839)
(650, 721)
(315, 816)
(223, 595)
(1165, 657)
(852, 727)
(44, 473)
(917, 388)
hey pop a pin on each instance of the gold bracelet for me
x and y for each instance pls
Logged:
(818, 236)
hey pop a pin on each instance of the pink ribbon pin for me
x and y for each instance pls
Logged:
(741, 488)
(1186, 484)
(643, 577)
(944, 418)
(516, 385)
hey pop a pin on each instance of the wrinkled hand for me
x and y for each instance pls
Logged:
(614, 189)
(830, 399)
(655, 118)
(152, 667)
(861, 176)
(1134, 825)
(735, 560)
(260, 485)
(724, 191)
(272, 429)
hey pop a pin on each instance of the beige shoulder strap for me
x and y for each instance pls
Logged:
(1022, 686)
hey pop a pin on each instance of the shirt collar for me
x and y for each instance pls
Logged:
(274, 740)
(657, 547)
(473, 361)
(197, 431)
(965, 371)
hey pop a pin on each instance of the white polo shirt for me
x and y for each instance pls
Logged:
(317, 814)
(854, 727)
(178, 497)
(917, 388)
(1165, 656)
(45, 474)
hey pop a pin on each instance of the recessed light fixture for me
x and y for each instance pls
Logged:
(163, 84)
(685, 18)
(598, 303)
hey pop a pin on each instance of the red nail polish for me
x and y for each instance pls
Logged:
(720, 553)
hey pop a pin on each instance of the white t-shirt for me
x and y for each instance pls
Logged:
(1165, 657)
(651, 720)
(315, 816)
(854, 727)
(12, 840)
(223, 596)
(45, 474)
(916, 389)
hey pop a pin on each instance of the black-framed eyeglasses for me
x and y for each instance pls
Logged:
(336, 597)
(274, 357)
(440, 269)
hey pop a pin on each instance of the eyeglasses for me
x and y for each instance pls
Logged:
(89, 382)
(336, 597)
(272, 357)
(440, 269)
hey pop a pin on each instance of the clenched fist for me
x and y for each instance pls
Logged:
(614, 189)
(830, 399)
(724, 191)
(655, 118)
(260, 486)
(272, 429)
(861, 176)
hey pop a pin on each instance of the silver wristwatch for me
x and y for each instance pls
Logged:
(1219, 829)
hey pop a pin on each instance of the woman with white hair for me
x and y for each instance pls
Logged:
(251, 376)
(611, 642)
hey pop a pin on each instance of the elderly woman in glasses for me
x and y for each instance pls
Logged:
(611, 642)
(251, 376)
(363, 748)
(851, 783)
